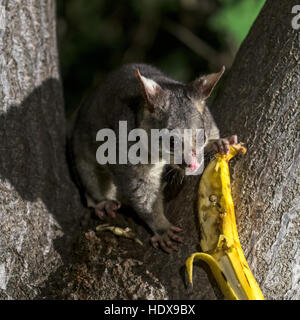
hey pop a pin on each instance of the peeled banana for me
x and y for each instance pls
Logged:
(219, 237)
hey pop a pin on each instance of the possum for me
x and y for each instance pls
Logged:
(145, 98)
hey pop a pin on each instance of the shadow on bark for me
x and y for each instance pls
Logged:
(33, 162)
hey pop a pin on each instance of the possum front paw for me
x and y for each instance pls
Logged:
(103, 207)
(223, 145)
(109, 207)
(165, 239)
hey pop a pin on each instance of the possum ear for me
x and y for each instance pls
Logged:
(202, 87)
(152, 92)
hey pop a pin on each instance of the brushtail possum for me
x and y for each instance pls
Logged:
(146, 98)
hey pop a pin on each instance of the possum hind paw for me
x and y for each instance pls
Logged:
(166, 239)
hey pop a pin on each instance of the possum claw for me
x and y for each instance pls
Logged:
(109, 207)
(99, 213)
(223, 145)
(165, 240)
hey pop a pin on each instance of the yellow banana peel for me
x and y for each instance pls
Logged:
(219, 237)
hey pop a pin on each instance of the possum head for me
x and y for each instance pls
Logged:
(176, 106)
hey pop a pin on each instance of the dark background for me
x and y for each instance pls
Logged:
(184, 38)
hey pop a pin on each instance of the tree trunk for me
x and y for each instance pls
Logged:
(39, 205)
(260, 102)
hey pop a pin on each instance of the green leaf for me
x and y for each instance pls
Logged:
(235, 18)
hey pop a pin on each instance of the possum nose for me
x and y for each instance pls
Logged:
(194, 163)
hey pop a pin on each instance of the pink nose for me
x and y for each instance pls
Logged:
(194, 163)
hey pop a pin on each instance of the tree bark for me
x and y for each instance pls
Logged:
(260, 102)
(39, 205)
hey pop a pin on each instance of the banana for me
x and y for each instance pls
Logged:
(219, 237)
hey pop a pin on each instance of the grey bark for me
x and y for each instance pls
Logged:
(39, 205)
(260, 102)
